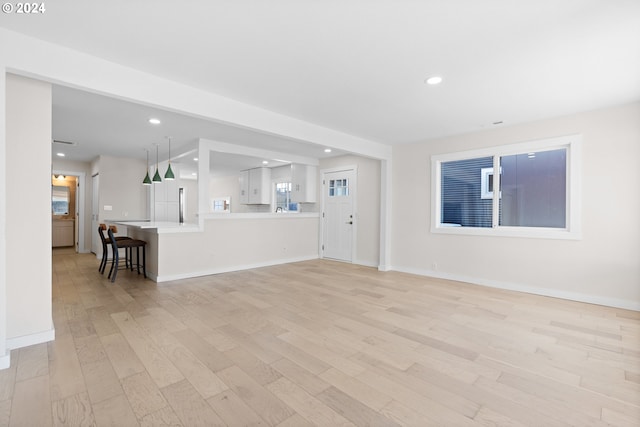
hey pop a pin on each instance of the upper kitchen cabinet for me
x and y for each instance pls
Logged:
(255, 186)
(304, 183)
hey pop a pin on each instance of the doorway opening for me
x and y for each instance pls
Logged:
(74, 215)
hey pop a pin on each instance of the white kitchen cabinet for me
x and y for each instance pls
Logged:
(255, 186)
(164, 197)
(244, 187)
(62, 233)
(304, 183)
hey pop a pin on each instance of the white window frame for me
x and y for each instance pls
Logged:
(573, 228)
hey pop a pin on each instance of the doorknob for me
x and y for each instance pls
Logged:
(349, 222)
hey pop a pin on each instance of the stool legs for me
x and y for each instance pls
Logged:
(128, 246)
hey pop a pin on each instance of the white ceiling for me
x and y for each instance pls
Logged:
(356, 66)
(97, 124)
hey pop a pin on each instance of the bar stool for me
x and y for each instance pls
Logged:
(128, 245)
(105, 242)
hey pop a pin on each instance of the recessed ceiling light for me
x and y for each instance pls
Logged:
(434, 80)
(195, 159)
(327, 150)
(264, 162)
(194, 174)
(60, 154)
(154, 121)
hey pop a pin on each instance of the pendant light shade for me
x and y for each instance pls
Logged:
(147, 179)
(156, 176)
(169, 176)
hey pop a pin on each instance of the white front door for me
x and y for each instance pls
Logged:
(338, 214)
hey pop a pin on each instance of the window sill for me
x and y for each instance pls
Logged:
(523, 232)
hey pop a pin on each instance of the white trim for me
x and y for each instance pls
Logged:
(362, 263)
(4, 358)
(573, 229)
(518, 287)
(31, 339)
(386, 212)
(170, 277)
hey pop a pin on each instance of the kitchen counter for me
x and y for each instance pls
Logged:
(224, 242)
(160, 226)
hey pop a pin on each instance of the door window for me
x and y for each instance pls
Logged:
(338, 187)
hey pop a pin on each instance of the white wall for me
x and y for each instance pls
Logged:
(603, 267)
(367, 205)
(223, 186)
(121, 188)
(28, 198)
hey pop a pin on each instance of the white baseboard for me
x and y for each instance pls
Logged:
(31, 339)
(168, 278)
(555, 293)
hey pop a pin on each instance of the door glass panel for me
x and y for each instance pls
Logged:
(338, 187)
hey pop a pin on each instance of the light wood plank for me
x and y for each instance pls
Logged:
(202, 378)
(5, 412)
(144, 396)
(306, 405)
(31, 404)
(189, 406)
(33, 361)
(114, 411)
(263, 402)
(352, 409)
(311, 383)
(74, 410)
(159, 367)
(164, 417)
(65, 374)
(233, 411)
(369, 396)
(124, 360)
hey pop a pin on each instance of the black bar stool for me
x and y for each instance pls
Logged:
(128, 245)
(106, 242)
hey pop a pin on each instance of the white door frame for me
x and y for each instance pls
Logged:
(354, 189)
(80, 197)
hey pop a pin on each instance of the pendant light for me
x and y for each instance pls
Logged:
(169, 176)
(156, 176)
(147, 179)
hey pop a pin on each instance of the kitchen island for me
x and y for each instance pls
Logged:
(225, 242)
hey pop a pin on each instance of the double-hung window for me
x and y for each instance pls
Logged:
(527, 190)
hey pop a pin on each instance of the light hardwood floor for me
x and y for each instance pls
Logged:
(319, 343)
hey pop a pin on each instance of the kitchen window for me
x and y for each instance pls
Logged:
(59, 200)
(535, 194)
(283, 198)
